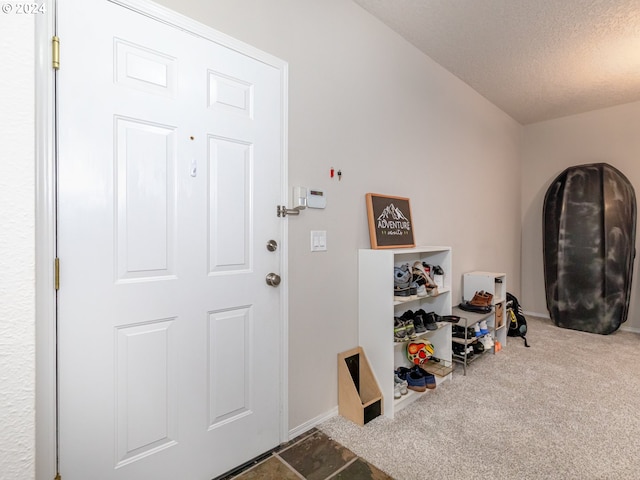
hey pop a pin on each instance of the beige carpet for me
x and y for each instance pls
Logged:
(566, 408)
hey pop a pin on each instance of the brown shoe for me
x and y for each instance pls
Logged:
(481, 299)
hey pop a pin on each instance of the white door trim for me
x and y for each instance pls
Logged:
(46, 435)
(46, 421)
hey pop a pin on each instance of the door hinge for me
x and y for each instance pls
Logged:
(56, 274)
(55, 53)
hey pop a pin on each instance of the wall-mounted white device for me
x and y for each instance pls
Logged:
(316, 198)
(299, 198)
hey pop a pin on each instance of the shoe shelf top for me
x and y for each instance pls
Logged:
(488, 274)
(441, 291)
(418, 249)
(471, 317)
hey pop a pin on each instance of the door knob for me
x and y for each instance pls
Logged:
(273, 279)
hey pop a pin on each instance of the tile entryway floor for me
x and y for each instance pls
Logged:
(311, 456)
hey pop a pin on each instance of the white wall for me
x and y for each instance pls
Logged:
(17, 253)
(367, 102)
(610, 135)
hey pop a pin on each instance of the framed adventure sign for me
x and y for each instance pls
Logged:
(390, 224)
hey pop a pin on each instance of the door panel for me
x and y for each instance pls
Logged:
(170, 153)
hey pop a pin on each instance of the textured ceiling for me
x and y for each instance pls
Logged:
(535, 59)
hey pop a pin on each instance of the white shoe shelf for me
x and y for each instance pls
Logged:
(377, 310)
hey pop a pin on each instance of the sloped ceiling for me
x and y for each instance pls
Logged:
(534, 59)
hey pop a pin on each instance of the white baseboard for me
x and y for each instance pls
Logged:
(314, 422)
(546, 315)
(630, 329)
(536, 314)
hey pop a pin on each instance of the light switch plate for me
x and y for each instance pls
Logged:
(318, 240)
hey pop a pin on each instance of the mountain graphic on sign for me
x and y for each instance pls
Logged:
(392, 212)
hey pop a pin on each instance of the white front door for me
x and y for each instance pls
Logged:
(170, 153)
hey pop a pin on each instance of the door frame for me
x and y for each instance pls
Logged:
(46, 208)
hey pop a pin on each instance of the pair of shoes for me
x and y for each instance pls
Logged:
(459, 332)
(424, 321)
(481, 299)
(484, 329)
(467, 307)
(417, 379)
(480, 329)
(414, 381)
(459, 350)
(429, 378)
(400, 387)
(422, 277)
(402, 283)
(487, 341)
(403, 329)
(405, 286)
(406, 326)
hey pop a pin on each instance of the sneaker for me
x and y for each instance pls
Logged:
(433, 286)
(438, 275)
(407, 319)
(476, 330)
(419, 280)
(458, 349)
(413, 290)
(422, 277)
(418, 324)
(400, 384)
(399, 330)
(483, 327)
(416, 382)
(487, 341)
(429, 378)
(409, 328)
(428, 319)
(478, 348)
(462, 332)
(396, 392)
(402, 283)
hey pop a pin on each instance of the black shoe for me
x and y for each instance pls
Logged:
(428, 319)
(407, 320)
(432, 321)
(458, 349)
(458, 332)
(418, 324)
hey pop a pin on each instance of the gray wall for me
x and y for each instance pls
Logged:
(367, 102)
(610, 135)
